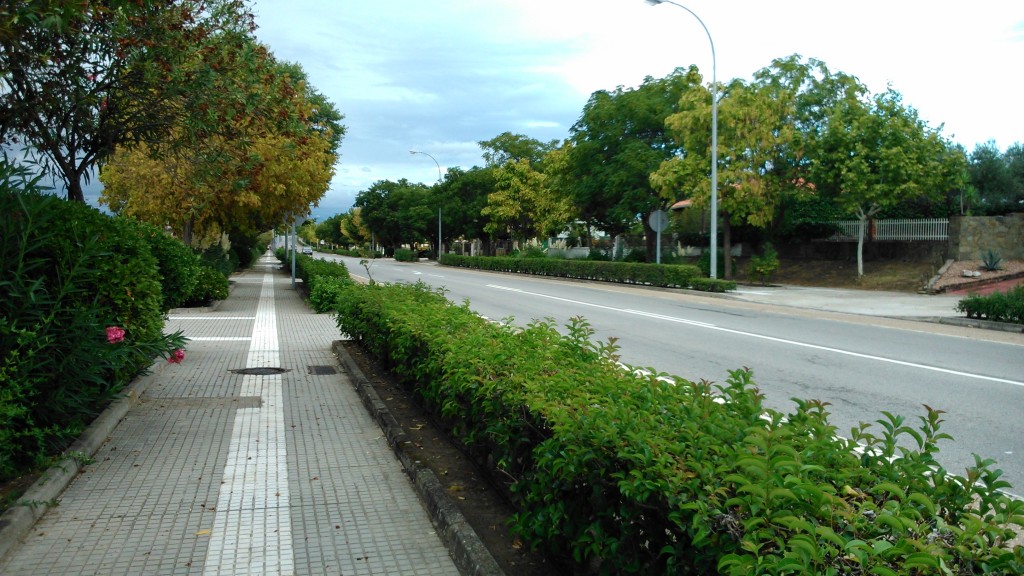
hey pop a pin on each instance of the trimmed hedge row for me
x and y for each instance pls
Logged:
(664, 275)
(998, 307)
(323, 279)
(616, 473)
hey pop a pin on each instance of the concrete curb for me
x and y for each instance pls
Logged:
(470, 555)
(18, 520)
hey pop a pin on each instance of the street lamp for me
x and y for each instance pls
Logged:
(714, 137)
(440, 244)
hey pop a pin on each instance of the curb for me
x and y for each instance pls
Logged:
(469, 553)
(19, 520)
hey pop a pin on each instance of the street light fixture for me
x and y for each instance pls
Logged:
(714, 137)
(440, 244)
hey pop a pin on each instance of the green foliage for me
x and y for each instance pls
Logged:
(680, 276)
(713, 285)
(762, 267)
(998, 179)
(211, 285)
(322, 279)
(991, 261)
(177, 263)
(67, 274)
(705, 264)
(624, 471)
(997, 306)
(405, 255)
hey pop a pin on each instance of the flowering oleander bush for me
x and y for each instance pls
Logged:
(80, 316)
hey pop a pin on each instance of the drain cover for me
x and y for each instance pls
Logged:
(264, 371)
(322, 370)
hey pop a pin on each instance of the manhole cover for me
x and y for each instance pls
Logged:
(263, 371)
(322, 370)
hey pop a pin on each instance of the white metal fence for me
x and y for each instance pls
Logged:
(894, 229)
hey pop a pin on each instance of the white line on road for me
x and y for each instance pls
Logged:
(769, 338)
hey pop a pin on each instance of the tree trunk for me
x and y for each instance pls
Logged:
(75, 193)
(650, 242)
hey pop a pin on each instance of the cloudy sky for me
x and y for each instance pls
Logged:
(441, 75)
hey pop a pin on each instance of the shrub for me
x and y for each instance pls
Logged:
(323, 297)
(996, 307)
(211, 285)
(177, 263)
(68, 274)
(762, 267)
(665, 275)
(617, 473)
(405, 255)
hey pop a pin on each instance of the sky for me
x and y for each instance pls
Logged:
(439, 76)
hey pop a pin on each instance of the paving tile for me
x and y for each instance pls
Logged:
(215, 472)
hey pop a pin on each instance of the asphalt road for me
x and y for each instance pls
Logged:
(862, 365)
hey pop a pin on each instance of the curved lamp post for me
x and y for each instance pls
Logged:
(440, 243)
(714, 137)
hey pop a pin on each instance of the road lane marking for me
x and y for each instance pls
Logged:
(769, 338)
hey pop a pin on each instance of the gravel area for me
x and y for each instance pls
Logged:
(953, 277)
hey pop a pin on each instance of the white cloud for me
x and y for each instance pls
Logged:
(444, 74)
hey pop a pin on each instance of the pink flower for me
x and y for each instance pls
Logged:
(114, 334)
(177, 356)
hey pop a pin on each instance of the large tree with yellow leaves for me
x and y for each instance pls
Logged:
(271, 155)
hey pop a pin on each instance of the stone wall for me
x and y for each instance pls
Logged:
(970, 236)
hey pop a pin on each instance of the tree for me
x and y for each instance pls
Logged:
(462, 196)
(523, 205)
(353, 229)
(81, 79)
(397, 213)
(755, 133)
(998, 179)
(508, 147)
(877, 153)
(271, 154)
(618, 141)
(330, 230)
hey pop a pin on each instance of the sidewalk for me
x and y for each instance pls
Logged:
(212, 471)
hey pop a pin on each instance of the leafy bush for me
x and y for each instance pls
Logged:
(616, 472)
(177, 263)
(80, 316)
(997, 306)
(762, 267)
(713, 285)
(405, 255)
(322, 279)
(211, 285)
(680, 276)
(325, 293)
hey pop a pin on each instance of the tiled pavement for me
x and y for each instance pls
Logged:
(216, 472)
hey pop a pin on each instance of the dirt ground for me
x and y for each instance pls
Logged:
(480, 502)
(891, 275)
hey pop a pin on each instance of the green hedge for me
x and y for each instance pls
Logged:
(323, 279)
(665, 275)
(616, 473)
(81, 314)
(997, 307)
(405, 255)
